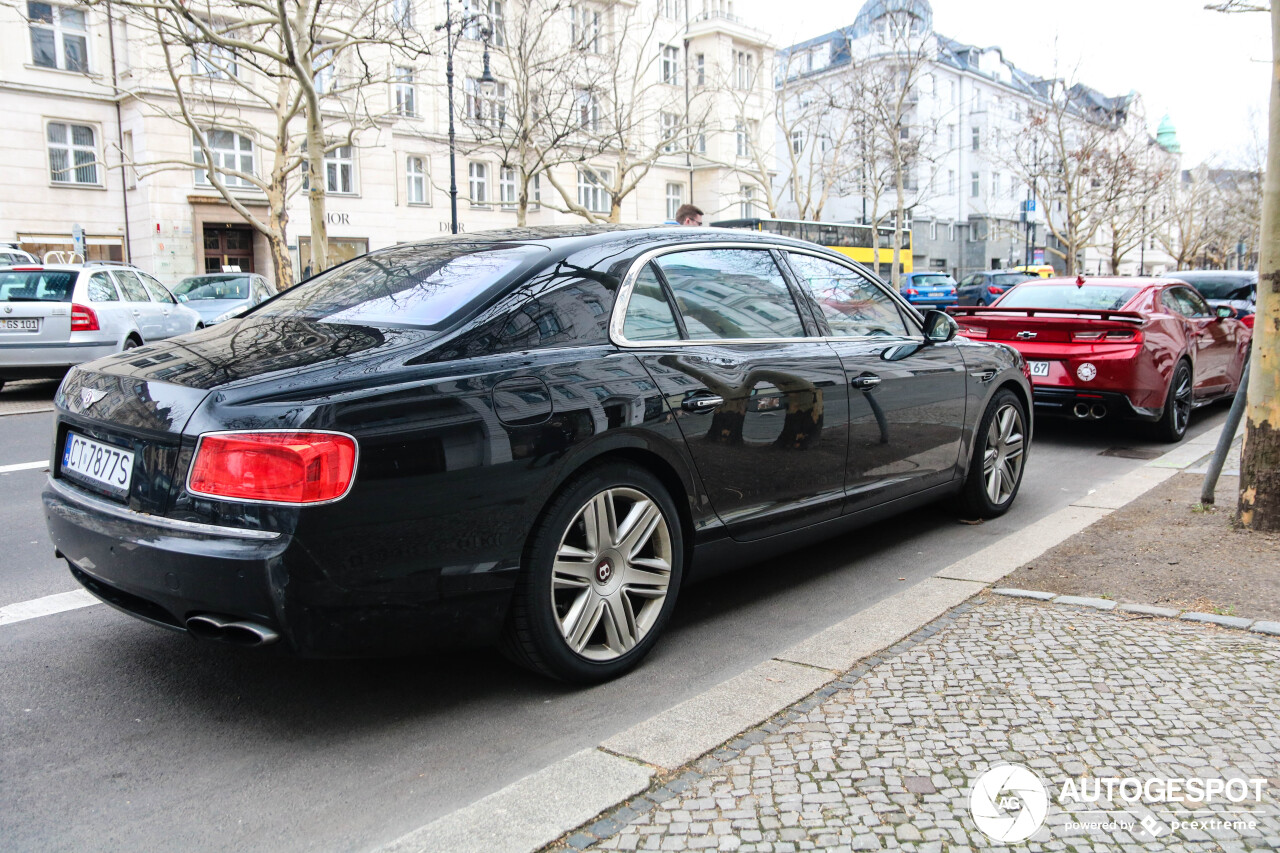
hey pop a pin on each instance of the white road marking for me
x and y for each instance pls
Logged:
(23, 466)
(47, 606)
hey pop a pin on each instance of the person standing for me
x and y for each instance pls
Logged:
(688, 215)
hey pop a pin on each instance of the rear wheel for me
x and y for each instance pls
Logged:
(131, 343)
(999, 456)
(1172, 425)
(603, 568)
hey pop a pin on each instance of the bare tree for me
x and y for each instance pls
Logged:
(531, 120)
(819, 118)
(1130, 182)
(298, 78)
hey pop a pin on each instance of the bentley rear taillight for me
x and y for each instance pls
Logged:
(274, 467)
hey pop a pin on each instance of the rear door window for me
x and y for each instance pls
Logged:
(156, 289)
(101, 289)
(852, 304)
(131, 286)
(731, 294)
(649, 316)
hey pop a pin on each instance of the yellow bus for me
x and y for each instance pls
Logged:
(851, 240)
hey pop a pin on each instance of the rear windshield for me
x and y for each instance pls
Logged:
(1220, 286)
(933, 280)
(1094, 297)
(42, 286)
(423, 286)
(1009, 279)
(214, 287)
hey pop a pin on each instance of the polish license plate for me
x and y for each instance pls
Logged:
(22, 324)
(1039, 368)
(101, 464)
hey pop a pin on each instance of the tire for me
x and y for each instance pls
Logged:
(130, 343)
(999, 458)
(1176, 414)
(586, 613)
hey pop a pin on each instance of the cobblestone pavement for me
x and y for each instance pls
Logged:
(885, 757)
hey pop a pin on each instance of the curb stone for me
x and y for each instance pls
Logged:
(1260, 626)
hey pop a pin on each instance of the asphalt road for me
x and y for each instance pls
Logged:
(116, 735)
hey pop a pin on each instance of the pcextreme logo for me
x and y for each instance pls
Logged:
(1009, 803)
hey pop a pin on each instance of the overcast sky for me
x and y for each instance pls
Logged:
(1207, 70)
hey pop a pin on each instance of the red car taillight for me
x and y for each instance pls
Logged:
(276, 467)
(83, 319)
(911, 291)
(1112, 336)
(993, 290)
(1247, 319)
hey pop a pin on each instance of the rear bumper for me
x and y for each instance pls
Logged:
(166, 571)
(36, 360)
(1067, 403)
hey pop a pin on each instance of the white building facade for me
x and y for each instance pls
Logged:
(94, 147)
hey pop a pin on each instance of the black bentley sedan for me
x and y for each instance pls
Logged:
(532, 438)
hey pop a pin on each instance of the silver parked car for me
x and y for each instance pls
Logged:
(54, 316)
(221, 296)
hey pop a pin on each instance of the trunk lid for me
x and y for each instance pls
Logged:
(1048, 325)
(36, 306)
(119, 437)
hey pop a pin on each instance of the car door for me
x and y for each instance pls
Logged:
(147, 315)
(176, 322)
(1205, 337)
(1217, 341)
(907, 398)
(759, 398)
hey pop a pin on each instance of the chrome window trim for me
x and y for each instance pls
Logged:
(97, 504)
(617, 319)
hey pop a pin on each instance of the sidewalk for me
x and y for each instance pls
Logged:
(884, 757)
(871, 734)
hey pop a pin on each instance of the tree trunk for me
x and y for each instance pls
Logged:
(315, 194)
(1259, 506)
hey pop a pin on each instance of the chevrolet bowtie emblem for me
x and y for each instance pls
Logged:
(89, 396)
(1026, 336)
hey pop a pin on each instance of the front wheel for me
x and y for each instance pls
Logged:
(602, 572)
(1176, 414)
(999, 456)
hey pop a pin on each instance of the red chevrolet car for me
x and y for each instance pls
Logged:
(1147, 349)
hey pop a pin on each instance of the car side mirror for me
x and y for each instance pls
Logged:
(1225, 311)
(939, 327)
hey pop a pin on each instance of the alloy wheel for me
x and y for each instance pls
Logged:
(1182, 401)
(1002, 456)
(611, 573)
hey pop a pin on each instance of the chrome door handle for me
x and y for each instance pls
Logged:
(136, 312)
(701, 403)
(865, 381)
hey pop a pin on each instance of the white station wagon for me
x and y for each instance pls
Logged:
(54, 316)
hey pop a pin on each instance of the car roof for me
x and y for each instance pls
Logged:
(568, 238)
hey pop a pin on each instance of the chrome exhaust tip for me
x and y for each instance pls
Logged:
(225, 629)
(1081, 410)
(1098, 411)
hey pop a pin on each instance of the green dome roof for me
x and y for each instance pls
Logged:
(1167, 136)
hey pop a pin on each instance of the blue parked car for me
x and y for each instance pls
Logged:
(933, 289)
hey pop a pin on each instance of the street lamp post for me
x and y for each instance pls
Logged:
(486, 79)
